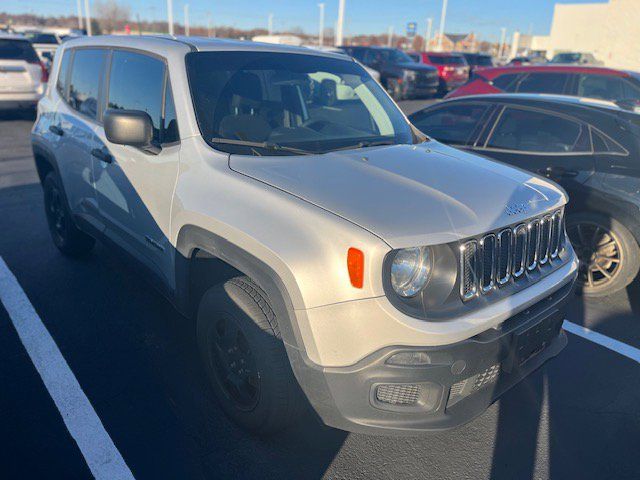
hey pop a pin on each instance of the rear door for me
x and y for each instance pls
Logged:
(77, 125)
(544, 142)
(20, 70)
(135, 188)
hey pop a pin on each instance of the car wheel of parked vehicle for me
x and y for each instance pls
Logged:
(245, 359)
(66, 236)
(608, 252)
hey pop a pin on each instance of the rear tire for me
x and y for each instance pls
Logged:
(69, 239)
(608, 252)
(245, 359)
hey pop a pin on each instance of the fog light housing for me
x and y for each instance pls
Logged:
(406, 397)
(409, 359)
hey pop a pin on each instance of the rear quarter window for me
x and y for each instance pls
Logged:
(63, 77)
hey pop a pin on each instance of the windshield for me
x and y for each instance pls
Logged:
(396, 56)
(566, 58)
(283, 103)
(484, 61)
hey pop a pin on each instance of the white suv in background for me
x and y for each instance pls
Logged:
(320, 242)
(23, 78)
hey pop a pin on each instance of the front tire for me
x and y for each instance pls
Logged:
(245, 359)
(608, 252)
(69, 239)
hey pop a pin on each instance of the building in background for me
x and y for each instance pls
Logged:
(458, 42)
(609, 30)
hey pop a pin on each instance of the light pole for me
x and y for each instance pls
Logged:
(186, 19)
(79, 6)
(443, 17)
(270, 24)
(88, 20)
(427, 36)
(321, 27)
(390, 37)
(170, 16)
(503, 36)
(340, 23)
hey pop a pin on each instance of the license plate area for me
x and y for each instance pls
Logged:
(535, 338)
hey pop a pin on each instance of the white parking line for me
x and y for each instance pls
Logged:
(102, 456)
(607, 342)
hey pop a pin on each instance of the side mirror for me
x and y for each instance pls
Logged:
(130, 127)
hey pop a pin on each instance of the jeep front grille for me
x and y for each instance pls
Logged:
(496, 258)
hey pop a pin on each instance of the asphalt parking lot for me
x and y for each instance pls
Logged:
(135, 360)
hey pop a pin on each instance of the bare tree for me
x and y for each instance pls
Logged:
(112, 15)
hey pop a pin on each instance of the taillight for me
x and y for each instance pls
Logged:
(44, 78)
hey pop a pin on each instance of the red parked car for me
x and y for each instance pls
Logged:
(453, 69)
(581, 81)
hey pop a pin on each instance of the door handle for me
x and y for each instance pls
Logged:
(557, 172)
(55, 129)
(101, 155)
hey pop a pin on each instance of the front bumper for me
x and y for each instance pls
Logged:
(491, 362)
(414, 90)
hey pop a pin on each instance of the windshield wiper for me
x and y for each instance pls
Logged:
(365, 144)
(266, 145)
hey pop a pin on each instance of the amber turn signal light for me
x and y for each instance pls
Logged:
(355, 264)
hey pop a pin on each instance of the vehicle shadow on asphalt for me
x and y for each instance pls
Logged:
(137, 360)
(540, 419)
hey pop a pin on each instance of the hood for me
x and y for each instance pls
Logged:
(418, 67)
(409, 195)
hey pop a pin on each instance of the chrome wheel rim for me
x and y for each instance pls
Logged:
(599, 252)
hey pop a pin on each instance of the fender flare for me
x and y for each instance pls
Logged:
(192, 238)
(42, 151)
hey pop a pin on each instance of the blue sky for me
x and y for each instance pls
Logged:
(362, 16)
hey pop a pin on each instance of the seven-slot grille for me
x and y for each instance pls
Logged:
(496, 258)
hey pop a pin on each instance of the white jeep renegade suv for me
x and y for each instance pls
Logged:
(279, 197)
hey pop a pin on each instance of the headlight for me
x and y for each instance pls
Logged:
(410, 270)
(409, 74)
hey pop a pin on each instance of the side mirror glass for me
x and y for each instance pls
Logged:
(129, 127)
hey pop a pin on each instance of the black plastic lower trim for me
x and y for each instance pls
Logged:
(342, 396)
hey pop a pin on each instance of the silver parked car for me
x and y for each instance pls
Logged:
(323, 245)
(22, 76)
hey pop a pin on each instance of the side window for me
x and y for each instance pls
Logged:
(61, 84)
(604, 145)
(604, 87)
(453, 124)
(84, 87)
(136, 82)
(169, 133)
(506, 82)
(532, 131)
(543, 83)
(631, 89)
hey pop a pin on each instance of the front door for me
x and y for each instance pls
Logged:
(134, 187)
